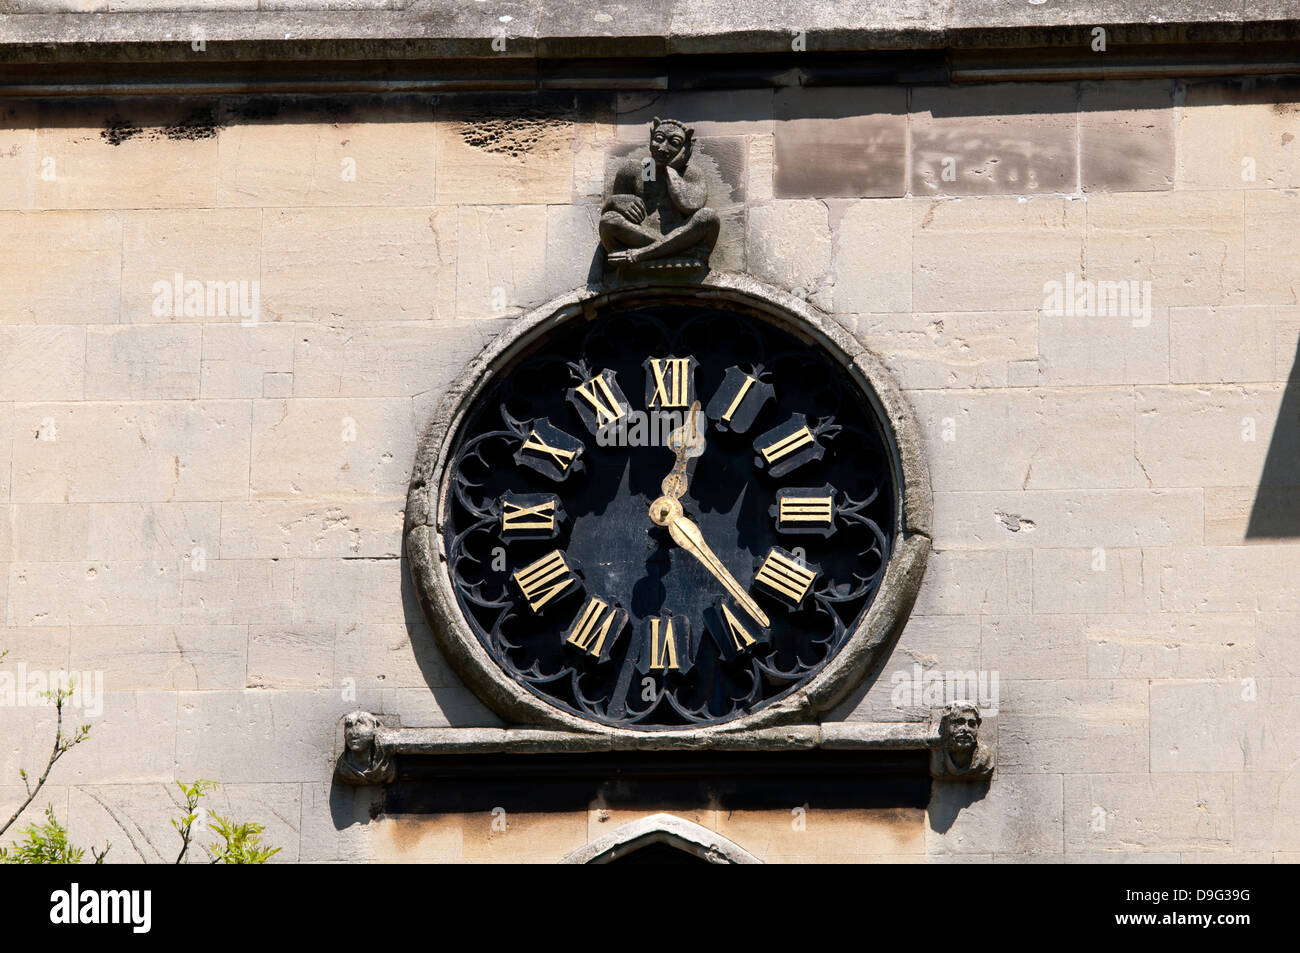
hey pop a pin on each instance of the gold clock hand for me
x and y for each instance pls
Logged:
(686, 441)
(667, 511)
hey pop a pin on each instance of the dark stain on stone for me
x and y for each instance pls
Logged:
(199, 124)
(118, 130)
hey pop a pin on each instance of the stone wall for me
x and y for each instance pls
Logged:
(206, 507)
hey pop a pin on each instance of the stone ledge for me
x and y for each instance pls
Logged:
(346, 29)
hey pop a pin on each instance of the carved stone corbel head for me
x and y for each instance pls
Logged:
(364, 759)
(960, 754)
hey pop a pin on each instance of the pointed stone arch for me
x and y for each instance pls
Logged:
(666, 829)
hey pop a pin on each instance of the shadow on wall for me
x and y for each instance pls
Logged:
(1276, 511)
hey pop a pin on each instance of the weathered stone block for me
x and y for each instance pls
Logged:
(500, 150)
(501, 269)
(42, 363)
(1094, 580)
(288, 529)
(1130, 813)
(344, 591)
(292, 656)
(19, 163)
(1073, 726)
(789, 245)
(119, 593)
(840, 142)
(1126, 136)
(132, 452)
(238, 591)
(1231, 345)
(873, 257)
(237, 359)
(1046, 646)
(327, 266)
(1239, 134)
(1020, 815)
(80, 283)
(1227, 578)
(331, 449)
(994, 254)
(1272, 258)
(1204, 436)
(952, 349)
(1189, 245)
(996, 139)
(143, 362)
(1128, 346)
(46, 532)
(163, 657)
(1171, 645)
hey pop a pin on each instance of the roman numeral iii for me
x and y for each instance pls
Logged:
(784, 577)
(596, 628)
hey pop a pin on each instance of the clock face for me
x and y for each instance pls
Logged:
(669, 516)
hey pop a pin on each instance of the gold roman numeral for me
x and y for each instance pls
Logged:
(592, 626)
(785, 577)
(740, 395)
(545, 579)
(788, 445)
(516, 518)
(740, 637)
(597, 393)
(561, 457)
(805, 509)
(671, 376)
(663, 645)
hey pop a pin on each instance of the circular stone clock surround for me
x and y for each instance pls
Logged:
(867, 646)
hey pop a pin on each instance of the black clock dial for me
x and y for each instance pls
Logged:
(668, 517)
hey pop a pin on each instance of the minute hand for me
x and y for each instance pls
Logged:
(687, 535)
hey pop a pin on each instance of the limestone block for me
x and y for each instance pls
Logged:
(873, 257)
(953, 349)
(338, 821)
(1073, 726)
(399, 360)
(828, 835)
(994, 139)
(494, 149)
(78, 284)
(286, 529)
(1046, 646)
(529, 837)
(6, 449)
(1020, 815)
(416, 839)
(163, 657)
(1278, 638)
(1171, 645)
(331, 449)
(1126, 136)
(1238, 134)
(277, 384)
(1229, 725)
(141, 153)
(1266, 513)
(257, 736)
(344, 591)
(840, 142)
(42, 362)
(938, 641)
(1055, 519)
(359, 265)
(1231, 345)
(1140, 812)
(992, 254)
(184, 532)
(126, 592)
(390, 655)
(961, 582)
(1227, 578)
(1204, 436)
(722, 112)
(131, 742)
(143, 362)
(291, 656)
(451, 706)
(1191, 246)
(1040, 439)
(47, 532)
(19, 163)
(502, 265)
(238, 591)
(209, 245)
(1094, 580)
(39, 647)
(1265, 806)
(1272, 259)
(379, 154)
(136, 819)
(761, 163)
(92, 452)
(593, 135)
(1127, 347)
(571, 246)
(789, 245)
(237, 359)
